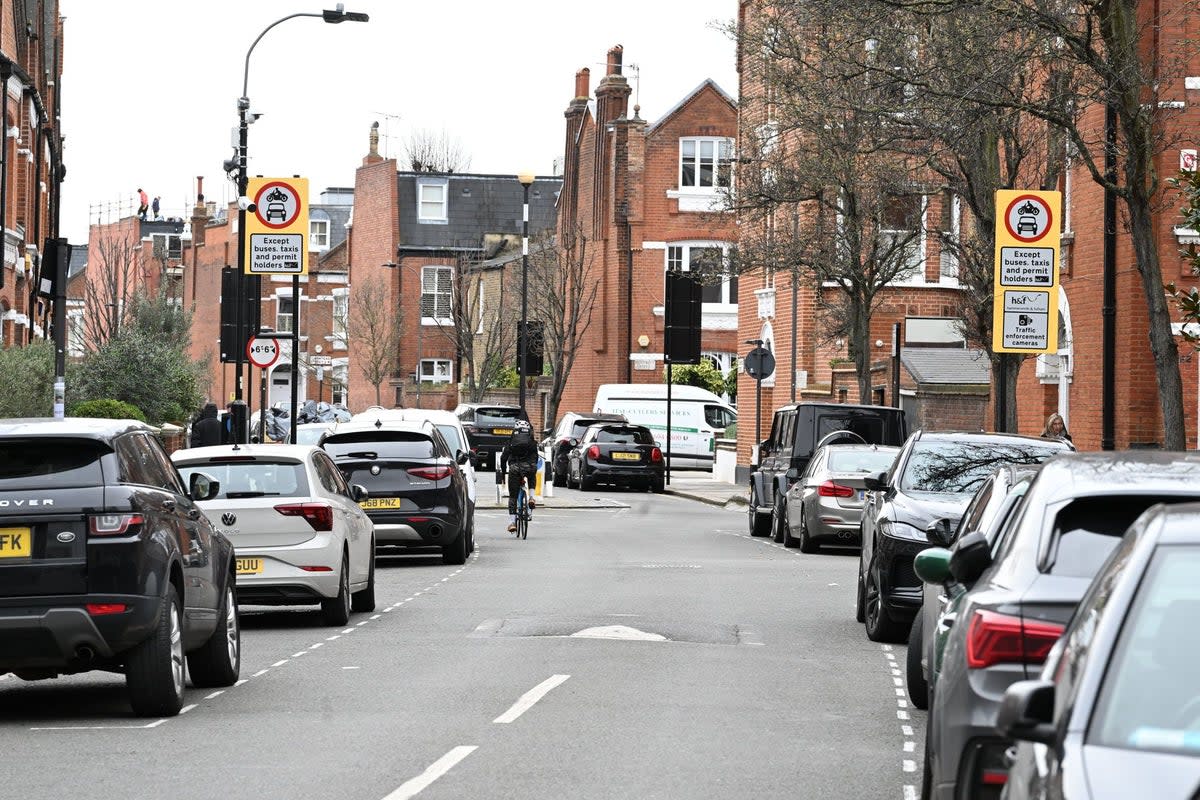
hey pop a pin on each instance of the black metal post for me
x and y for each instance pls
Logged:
(1109, 309)
(1001, 406)
(795, 334)
(896, 345)
(757, 411)
(523, 339)
(61, 262)
(667, 453)
(295, 365)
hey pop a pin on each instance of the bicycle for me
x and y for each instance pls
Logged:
(524, 512)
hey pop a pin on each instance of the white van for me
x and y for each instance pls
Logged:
(698, 417)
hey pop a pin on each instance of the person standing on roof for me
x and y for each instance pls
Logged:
(154, 208)
(519, 458)
(143, 204)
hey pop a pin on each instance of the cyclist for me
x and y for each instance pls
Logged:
(519, 458)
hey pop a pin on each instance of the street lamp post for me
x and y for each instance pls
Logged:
(245, 117)
(526, 180)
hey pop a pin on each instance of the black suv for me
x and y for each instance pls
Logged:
(934, 477)
(796, 433)
(417, 496)
(107, 563)
(488, 427)
(558, 444)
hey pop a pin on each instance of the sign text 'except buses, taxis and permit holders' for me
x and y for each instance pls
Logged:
(1025, 314)
(277, 231)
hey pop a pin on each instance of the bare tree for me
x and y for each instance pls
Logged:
(435, 151)
(113, 279)
(373, 331)
(562, 289)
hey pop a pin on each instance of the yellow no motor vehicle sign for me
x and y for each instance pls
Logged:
(1025, 310)
(277, 230)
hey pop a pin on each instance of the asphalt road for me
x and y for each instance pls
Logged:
(655, 651)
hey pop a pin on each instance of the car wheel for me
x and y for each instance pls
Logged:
(364, 599)
(880, 627)
(758, 525)
(788, 539)
(471, 537)
(658, 485)
(571, 483)
(559, 478)
(585, 483)
(777, 519)
(859, 604)
(456, 551)
(154, 667)
(918, 687)
(807, 545)
(336, 610)
(219, 660)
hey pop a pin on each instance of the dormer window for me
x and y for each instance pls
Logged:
(704, 162)
(431, 200)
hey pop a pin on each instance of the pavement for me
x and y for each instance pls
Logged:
(698, 486)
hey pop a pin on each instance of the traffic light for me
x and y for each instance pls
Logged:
(233, 340)
(681, 318)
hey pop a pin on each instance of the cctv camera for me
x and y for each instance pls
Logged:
(230, 164)
(246, 204)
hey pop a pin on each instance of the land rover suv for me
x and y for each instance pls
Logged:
(106, 562)
(796, 432)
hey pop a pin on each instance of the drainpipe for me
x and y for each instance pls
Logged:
(5, 74)
(1109, 307)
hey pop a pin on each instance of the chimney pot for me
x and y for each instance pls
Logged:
(583, 80)
(614, 60)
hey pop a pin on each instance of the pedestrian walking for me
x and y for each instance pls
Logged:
(207, 430)
(154, 207)
(1055, 428)
(143, 204)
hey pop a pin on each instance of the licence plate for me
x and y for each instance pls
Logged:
(372, 503)
(502, 431)
(626, 456)
(249, 566)
(16, 542)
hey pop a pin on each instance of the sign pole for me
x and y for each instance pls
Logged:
(670, 380)
(262, 405)
(295, 367)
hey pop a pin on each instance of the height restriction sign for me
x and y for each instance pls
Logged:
(1025, 310)
(277, 230)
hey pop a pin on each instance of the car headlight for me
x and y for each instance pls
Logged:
(901, 530)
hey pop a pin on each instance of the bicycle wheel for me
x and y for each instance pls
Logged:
(523, 528)
(521, 510)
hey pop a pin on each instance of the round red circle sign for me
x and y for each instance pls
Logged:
(1028, 218)
(277, 205)
(262, 353)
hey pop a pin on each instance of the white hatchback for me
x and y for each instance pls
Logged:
(298, 532)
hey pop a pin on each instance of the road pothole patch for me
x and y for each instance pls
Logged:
(641, 629)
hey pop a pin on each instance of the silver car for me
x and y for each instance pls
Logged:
(298, 532)
(825, 504)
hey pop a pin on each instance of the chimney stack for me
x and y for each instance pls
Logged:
(614, 60)
(583, 83)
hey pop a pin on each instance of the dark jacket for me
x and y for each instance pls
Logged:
(520, 451)
(207, 431)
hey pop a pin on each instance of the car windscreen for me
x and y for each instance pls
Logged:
(617, 435)
(251, 478)
(860, 460)
(43, 463)
(1089, 528)
(1148, 699)
(959, 467)
(580, 426)
(450, 434)
(488, 415)
(372, 445)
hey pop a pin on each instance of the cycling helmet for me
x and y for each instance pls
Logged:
(522, 425)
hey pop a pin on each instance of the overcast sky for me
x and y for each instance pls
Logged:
(149, 90)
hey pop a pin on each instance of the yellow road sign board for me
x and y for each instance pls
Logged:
(277, 229)
(1025, 309)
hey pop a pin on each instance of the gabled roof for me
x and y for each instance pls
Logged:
(946, 365)
(691, 96)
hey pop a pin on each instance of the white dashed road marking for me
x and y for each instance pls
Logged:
(531, 697)
(413, 786)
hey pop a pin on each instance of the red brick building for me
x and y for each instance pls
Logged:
(648, 196)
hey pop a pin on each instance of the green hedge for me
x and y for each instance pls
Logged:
(107, 409)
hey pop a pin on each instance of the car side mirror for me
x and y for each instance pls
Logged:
(933, 565)
(875, 482)
(573, 442)
(940, 533)
(463, 457)
(1027, 712)
(203, 487)
(358, 493)
(970, 557)
(792, 474)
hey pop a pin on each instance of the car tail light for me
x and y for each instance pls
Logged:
(432, 473)
(115, 524)
(655, 455)
(470, 429)
(994, 638)
(319, 515)
(101, 609)
(831, 489)
(563, 442)
(593, 451)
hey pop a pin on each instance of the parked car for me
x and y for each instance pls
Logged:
(1073, 515)
(418, 497)
(993, 506)
(825, 504)
(796, 433)
(556, 446)
(933, 477)
(311, 432)
(617, 453)
(1116, 711)
(88, 581)
(698, 418)
(488, 428)
(299, 534)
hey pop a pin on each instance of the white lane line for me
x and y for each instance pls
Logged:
(217, 693)
(364, 622)
(260, 672)
(297, 655)
(899, 691)
(907, 730)
(239, 683)
(377, 616)
(910, 746)
(315, 646)
(901, 703)
(279, 663)
(902, 715)
(154, 724)
(186, 709)
(348, 630)
(897, 681)
(528, 699)
(413, 786)
(910, 792)
(350, 667)
(909, 765)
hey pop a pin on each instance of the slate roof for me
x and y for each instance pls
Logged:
(476, 205)
(946, 365)
(79, 258)
(336, 204)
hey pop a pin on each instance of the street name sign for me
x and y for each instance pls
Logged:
(277, 230)
(1025, 309)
